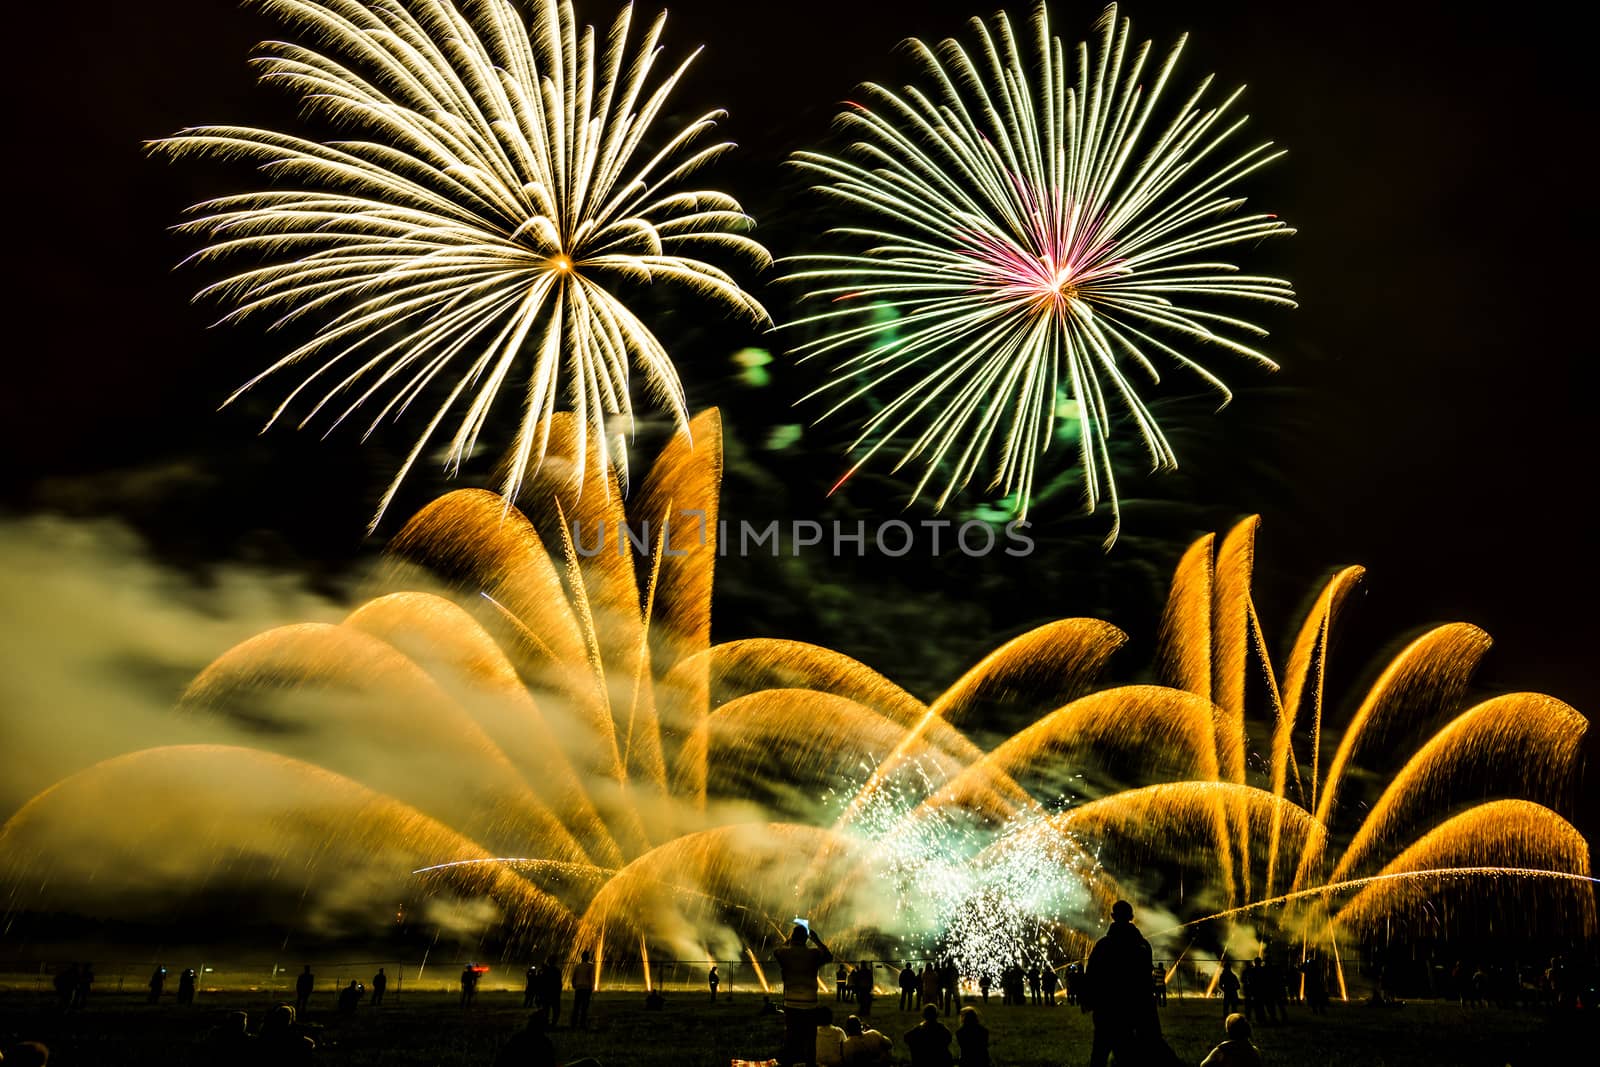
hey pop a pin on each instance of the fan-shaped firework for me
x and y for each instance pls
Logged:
(1027, 237)
(496, 179)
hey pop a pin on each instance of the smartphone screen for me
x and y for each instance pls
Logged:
(803, 922)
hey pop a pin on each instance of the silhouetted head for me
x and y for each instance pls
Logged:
(1237, 1027)
(1122, 912)
(281, 1017)
(585, 956)
(28, 1054)
(236, 1022)
(852, 1026)
(798, 935)
(823, 1016)
(970, 1017)
(308, 969)
(930, 1013)
(380, 970)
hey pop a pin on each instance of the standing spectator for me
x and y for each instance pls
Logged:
(66, 985)
(983, 986)
(862, 980)
(713, 980)
(1228, 983)
(582, 989)
(186, 982)
(929, 1041)
(158, 983)
(1035, 986)
(1158, 984)
(469, 985)
(865, 1048)
(380, 982)
(908, 987)
(80, 991)
(1118, 979)
(929, 985)
(530, 987)
(303, 985)
(1237, 1050)
(1049, 981)
(800, 961)
(1074, 983)
(972, 1038)
(950, 980)
(841, 983)
(550, 993)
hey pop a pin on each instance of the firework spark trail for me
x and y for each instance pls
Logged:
(1028, 232)
(984, 897)
(488, 190)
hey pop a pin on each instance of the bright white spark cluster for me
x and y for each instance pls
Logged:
(493, 182)
(985, 897)
(1026, 238)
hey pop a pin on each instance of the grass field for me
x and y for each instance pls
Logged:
(428, 1028)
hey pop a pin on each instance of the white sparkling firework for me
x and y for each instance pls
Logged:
(492, 181)
(1027, 235)
(984, 897)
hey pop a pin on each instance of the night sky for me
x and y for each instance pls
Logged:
(1429, 422)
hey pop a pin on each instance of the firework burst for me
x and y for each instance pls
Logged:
(1027, 238)
(493, 182)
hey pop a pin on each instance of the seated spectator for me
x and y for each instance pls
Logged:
(865, 1048)
(929, 1041)
(27, 1054)
(231, 1042)
(972, 1037)
(529, 1047)
(281, 1041)
(1237, 1051)
(830, 1040)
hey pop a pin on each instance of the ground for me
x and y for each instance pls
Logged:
(429, 1028)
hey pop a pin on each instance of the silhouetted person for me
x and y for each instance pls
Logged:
(1035, 986)
(186, 983)
(380, 982)
(231, 1042)
(1228, 982)
(864, 1047)
(1236, 1051)
(27, 1054)
(550, 991)
(983, 987)
(972, 1038)
(303, 985)
(928, 985)
(350, 997)
(281, 1041)
(908, 987)
(1249, 988)
(929, 1041)
(469, 985)
(1118, 990)
(861, 982)
(713, 979)
(158, 984)
(81, 989)
(529, 1047)
(1316, 985)
(800, 961)
(1074, 983)
(1048, 981)
(841, 983)
(950, 985)
(1158, 984)
(66, 986)
(582, 989)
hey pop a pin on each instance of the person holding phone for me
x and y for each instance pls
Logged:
(800, 959)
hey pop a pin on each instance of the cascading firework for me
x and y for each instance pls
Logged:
(551, 735)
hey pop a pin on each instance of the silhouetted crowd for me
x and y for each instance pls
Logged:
(1120, 984)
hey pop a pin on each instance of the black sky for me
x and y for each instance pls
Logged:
(1431, 421)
